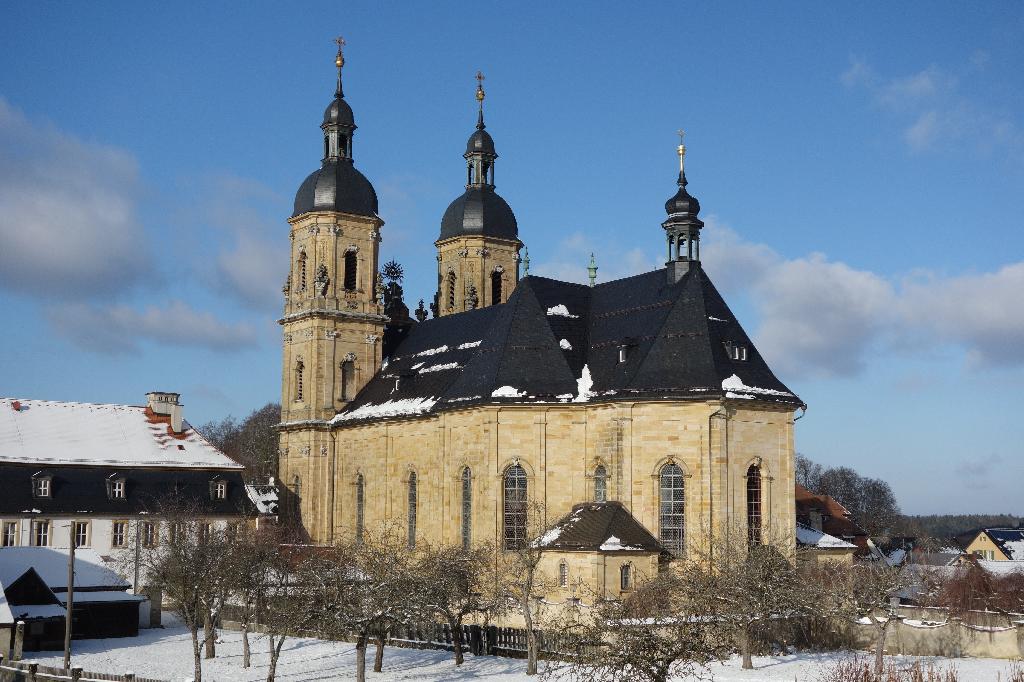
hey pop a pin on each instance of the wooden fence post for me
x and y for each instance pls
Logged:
(76, 674)
(33, 668)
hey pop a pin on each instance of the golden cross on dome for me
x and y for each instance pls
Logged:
(339, 61)
(681, 149)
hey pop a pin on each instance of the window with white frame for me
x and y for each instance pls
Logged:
(10, 535)
(118, 533)
(220, 490)
(117, 489)
(81, 533)
(41, 533)
(149, 534)
(736, 351)
(41, 486)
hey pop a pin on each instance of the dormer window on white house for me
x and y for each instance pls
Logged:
(116, 487)
(42, 485)
(218, 489)
(736, 351)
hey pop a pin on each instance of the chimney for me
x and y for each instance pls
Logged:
(166, 404)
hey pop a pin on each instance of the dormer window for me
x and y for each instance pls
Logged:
(736, 351)
(218, 489)
(623, 353)
(42, 485)
(116, 487)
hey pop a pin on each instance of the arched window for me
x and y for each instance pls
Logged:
(302, 271)
(626, 577)
(412, 509)
(754, 504)
(467, 507)
(360, 497)
(515, 506)
(451, 291)
(495, 288)
(563, 574)
(351, 262)
(296, 495)
(298, 380)
(671, 508)
(348, 379)
(600, 484)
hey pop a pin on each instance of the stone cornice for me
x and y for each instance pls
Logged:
(334, 314)
(302, 424)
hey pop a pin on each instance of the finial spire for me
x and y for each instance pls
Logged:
(339, 61)
(681, 150)
(526, 262)
(480, 99)
(592, 270)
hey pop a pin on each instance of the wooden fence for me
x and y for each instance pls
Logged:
(22, 671)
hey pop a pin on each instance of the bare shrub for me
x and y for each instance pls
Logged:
(860, 669)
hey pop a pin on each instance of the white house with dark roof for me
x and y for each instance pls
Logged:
(95, 474)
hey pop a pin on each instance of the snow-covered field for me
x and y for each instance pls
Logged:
(167, 654)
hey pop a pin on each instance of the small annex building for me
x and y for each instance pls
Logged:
(824, 514)
(34, 583)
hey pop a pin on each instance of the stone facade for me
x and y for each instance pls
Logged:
(475, 261)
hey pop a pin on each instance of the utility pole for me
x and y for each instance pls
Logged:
(71, 599)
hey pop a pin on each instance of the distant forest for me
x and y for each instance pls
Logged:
(949, 525)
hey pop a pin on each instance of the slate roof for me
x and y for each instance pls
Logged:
(537, 346)
(82, 490)
(600, 526)
(1010, 541)
(835, 517)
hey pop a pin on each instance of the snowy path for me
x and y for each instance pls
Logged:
(167, 654)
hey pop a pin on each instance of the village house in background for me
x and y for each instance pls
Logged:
(521, 390)
(824, 514)
(96, 475)
(994, 544)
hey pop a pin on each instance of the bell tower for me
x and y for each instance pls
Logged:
(478, 248)
(333, 322)
(682, 227)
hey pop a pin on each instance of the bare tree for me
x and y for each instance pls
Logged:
(252, 441)
(456, 583)
(520, 578)
(808, 473)
(659, 631)
(750, 583)
(865, 591)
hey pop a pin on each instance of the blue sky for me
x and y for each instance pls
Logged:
(860, 172)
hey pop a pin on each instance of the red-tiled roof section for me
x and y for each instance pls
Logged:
(835, 518)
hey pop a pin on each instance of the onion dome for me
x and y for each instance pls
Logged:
(480, 210)
(337, 185)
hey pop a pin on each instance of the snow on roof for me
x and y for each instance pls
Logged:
(507, 392)
(52, 566)
(613, 544)
(103, 596)
(391, 408)
(1015, 548)
(28, 611)
(1002, 567)
(263, 497)
(6, 618)
(809, 537)
(738, 389)
(560, 311)
(51, 432)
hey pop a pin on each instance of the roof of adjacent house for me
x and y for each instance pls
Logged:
(835, 517)
(1010, 541)
(809, 537)
(6, 617)
(559, 342)
(51, 432)
(599, 527)
(83, 490)
(91, 573)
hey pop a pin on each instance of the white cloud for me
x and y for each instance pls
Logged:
(120, 329)
(67, 213)
(569, 259)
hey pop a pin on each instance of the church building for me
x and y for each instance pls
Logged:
(638, 406)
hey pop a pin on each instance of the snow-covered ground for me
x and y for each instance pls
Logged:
(167, 654)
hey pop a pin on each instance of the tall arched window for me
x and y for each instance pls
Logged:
(671, 509)
(451, 291)
(495, 288)
(302, 271)
(467, 507)
(348, 379)
(360, 497)
(600, 484)
(298, 380)
(626, 577)
(413, 498)
(351, 262)
(515, 506)
(754, 504)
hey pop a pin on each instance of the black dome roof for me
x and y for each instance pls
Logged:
(480, 141)
(336, 186)
(338, 111)
(479, 211)
(682, 202)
